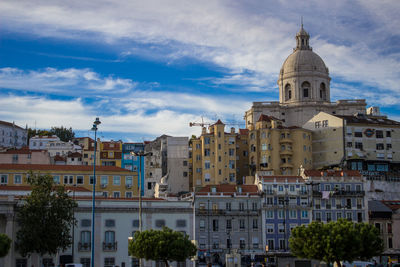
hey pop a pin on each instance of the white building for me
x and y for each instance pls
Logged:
(12, 136)
(61, 148)
(116, 220)
(40, 142)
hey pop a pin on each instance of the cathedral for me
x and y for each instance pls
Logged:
(304, 90)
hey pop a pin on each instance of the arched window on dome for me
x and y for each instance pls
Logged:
(306, 88)
(288, 92)
(322, 91)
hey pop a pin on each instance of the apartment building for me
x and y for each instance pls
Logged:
(112, 181)
(12, 136)
(116, 220)
(168, 159)
(87, 145)
(214, 156)
(276, 149)
(110, 153)
(40, 142)
(228, 219)
(24, 156)
(337, 195)
(363, 142)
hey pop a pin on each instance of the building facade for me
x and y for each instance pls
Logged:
(214, 156)
(24, 156)
(363, 142)
(113, 182)
(116, 220)
(12, 136)
(110, 153)
(228, 220)
(40, 142)
(278, 150)
(304, 90)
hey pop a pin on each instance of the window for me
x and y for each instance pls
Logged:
(255, 242)
(254, 206)
(232, 164)
(306, 87)
(109, 240)
(79, 179)
(116, 180)
(22, 263)
(270, 228)
(325, 123)
(270, 214)
(206, 140)
(388, 146)
(180, 223)
(270, 200)
(328, 216)
(110, 223)
(86, 223)
(349, 144)
(206, 152)
(128, 194)
(263, 147)
(68, 179)
(241, 224)
(228, 224)
(207, 164)
(4, 179)
(281, 214)
(281, 228)
(282, 244)
(241, 206)
(232, 177)
(215, 225)
(388, 134)
(160, 223)
(231, 152)
(207, 177)
(380, 146)
(109, 262)
(292, 214)
(85, 240)
(202, 224)
(242, 244)
(255, 223)
(358, 145)
(104, 180)
(228, 206)
(304, 214)
(317, 124)
(91, 179)
(357, 134)
(18, 179)
(85, 262)
(379, 134)
(116, 194)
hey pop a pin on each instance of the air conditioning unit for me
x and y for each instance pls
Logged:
(103, 185)
(128, 186)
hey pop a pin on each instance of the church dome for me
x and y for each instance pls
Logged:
(303, 61)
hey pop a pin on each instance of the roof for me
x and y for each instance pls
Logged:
(74, 155)
(47, 167)
(244, 131)
(264, 117)
(45, 136)
(282, 179)
(10, 124)
(229, 189)
(392, 204)
(378, 206)
(219, 122)
(317, 173)
(29, 188)
(368, 119)
(58, 158)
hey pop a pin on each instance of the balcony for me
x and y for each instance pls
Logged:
(286, 152)
(84, 246)
(285, 140)
(286, 165)
(269, 192)
(110, 246)
(349, 193)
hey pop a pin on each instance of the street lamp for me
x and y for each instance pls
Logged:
(94, 128)
(140, 154)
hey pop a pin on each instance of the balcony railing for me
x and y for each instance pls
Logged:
(110, 246)
(84, 246)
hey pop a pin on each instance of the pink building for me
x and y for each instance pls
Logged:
(24, 156)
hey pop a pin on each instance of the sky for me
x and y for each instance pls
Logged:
(148, 68)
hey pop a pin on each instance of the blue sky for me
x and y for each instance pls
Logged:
(148, 68)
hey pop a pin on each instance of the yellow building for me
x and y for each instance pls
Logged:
(278, 150)
(112, 181)
(87, 145)
(214, 156)
(110, 153)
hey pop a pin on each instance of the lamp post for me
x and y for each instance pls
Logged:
(94, 128)
(140, 154)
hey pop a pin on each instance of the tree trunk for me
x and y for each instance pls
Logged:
(166, 263)
(339, 264)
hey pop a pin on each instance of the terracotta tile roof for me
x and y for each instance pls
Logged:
(264, 117)
(10, 124)
(47, 167)
(24, 150)
(316, 173)
(244, 131)
(392, 204)
(282, 179)
(228, 189)
(59, 158)
(75, 155)
(29, 188)
(219, 122)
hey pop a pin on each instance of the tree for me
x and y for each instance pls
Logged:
(63, 133)
(45, 218)
(336, 241)
(163, 245)
(5, 244)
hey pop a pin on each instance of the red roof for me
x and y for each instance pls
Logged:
(244, 131)
(392, 204)
(316, 173)
(74, 155)
(219, 122)
(229, 189)
(10, 124)
(264, 117)
(47, 167)
(58, 158)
